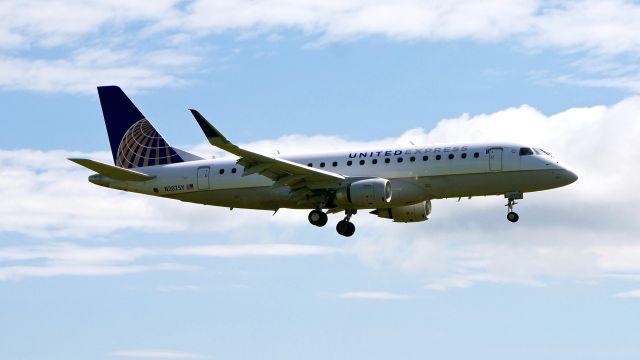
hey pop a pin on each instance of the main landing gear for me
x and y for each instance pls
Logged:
(511, 201)
(318, 218)
(344, 227)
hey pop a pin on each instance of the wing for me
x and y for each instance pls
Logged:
(302, 179)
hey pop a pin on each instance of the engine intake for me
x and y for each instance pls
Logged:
(365, 193)
(409, 213)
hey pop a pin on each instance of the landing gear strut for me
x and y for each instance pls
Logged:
(346, 227)
(511, 201)
(318, 218)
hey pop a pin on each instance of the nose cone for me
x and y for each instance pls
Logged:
(568, 176)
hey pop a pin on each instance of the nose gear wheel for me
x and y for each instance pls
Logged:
(511, 201)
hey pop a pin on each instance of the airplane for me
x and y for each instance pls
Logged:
(396, 183)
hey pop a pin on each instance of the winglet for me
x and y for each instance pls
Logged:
(214, 136)
(113, 172)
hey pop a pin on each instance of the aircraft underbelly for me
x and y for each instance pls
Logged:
(491, 183)
(262, 198)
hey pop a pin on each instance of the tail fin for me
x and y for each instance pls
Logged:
(134, 141)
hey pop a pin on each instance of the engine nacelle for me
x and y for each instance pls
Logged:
(409, 213)
(371, 193)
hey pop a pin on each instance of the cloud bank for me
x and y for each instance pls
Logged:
(608, 26)
(586, 231)
(48, 42)
(66, 259)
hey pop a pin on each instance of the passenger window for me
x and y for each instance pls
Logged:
(374, 161)
(361, 162)
(221, 171)
(321, 164)
(412, 159)
(450, 156)
(233, 171)
(310, 165)
(349, 163)
(335, 163)
(425, 158)
(400, 160)
(525, 151)
(438, 157)
(387, 160)
(476, 155)
(463, 155)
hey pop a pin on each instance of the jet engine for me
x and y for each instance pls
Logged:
(409, 213)
(365, 193)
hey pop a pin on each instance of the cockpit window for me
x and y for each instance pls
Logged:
(525, 151)
(543, 152)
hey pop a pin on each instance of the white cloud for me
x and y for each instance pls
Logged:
(54, 199)
(86, 68)
(53, 270)
(629, 294)
(372, 295)
(43, 37)
(345, 20)
(64, 259)
(585, 231)
(62, 22)
(157, 354)
(628, 82)
(66, 253)
(255, 250)
(575, 232)
(602, 26)
(611, 25)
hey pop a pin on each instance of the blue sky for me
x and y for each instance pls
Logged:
(90, 273)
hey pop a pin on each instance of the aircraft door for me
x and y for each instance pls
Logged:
(495, 159)
(203, 178)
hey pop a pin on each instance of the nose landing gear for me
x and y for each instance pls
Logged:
(511, 201)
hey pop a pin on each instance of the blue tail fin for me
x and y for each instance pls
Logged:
(134, 141)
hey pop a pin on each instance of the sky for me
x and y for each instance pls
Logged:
(87, 272)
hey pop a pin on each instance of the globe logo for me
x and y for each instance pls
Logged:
(143, 146)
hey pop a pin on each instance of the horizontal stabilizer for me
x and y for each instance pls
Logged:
(113, 172)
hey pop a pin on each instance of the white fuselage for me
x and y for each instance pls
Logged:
(416, 173)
